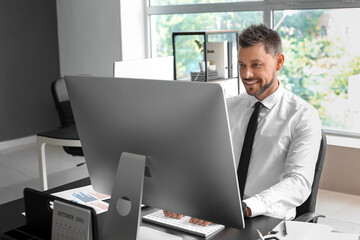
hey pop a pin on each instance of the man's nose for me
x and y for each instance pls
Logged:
(247, 73)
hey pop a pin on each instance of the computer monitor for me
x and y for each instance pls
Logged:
(182, 131)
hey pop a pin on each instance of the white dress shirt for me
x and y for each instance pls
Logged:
(284, 154)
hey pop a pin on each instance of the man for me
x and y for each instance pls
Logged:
(287, 139)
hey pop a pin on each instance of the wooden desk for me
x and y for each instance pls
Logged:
(12, 218)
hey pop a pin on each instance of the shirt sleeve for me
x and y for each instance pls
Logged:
(294, 187)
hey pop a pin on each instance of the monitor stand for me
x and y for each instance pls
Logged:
(124, 213)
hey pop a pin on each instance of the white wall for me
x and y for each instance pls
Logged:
(133, 29)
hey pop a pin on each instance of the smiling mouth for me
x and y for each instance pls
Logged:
(251, 82)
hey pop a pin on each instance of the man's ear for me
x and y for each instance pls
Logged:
(279, 61)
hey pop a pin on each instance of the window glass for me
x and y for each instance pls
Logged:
(175, 2)
(322, 62)
(188, 56)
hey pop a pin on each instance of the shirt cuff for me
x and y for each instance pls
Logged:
(256, 206)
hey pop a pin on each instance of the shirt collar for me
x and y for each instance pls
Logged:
(270, 101)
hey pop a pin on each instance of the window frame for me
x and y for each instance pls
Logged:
(268, 7)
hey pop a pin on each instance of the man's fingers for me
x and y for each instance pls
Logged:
(166, 213)
(172, 214)
(176, 215)
(180, 216)
(205, 223)
(194, 220)
(199, 221)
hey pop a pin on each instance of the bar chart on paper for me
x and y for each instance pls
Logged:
(84, 197)
(87, 196)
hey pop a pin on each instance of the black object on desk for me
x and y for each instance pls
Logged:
(39, 214)
(13, 222)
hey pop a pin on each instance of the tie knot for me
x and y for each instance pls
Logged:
(258, 105)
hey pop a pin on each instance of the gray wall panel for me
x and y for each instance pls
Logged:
(29, 62)
(89, 36)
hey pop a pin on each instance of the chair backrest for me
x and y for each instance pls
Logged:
(62, 103)
(310, 203)
(63, 107)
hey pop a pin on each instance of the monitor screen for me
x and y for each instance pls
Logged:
(182, 129)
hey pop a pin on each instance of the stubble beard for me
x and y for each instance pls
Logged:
(266, 86)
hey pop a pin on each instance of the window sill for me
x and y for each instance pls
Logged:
(342, 141)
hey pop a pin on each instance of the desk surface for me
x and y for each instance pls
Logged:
(14, 219)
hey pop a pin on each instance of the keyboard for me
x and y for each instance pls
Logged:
(183, 224)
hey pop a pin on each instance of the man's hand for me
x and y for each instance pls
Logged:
(173, 215)
(180, 216)
(246, 210)
(199, 222)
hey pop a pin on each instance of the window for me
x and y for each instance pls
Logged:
(174, 2)
(162, 26)
(320, 43)
(322, 63)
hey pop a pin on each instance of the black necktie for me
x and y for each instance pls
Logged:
(247, 147)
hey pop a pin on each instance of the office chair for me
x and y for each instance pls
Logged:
(65, 136)
(63, 107)
(306, 211)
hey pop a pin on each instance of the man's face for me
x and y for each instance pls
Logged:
(258, 70)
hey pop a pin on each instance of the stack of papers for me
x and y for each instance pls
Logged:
(200, 76)
(304, 231)
(86, 196)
